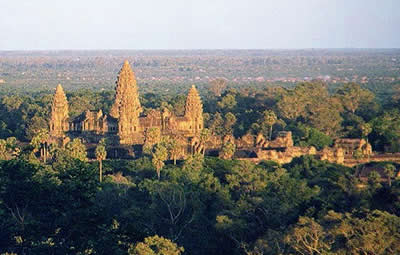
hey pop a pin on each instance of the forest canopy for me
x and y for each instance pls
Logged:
(73, 199)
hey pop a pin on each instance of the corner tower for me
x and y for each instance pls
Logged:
(59, 113)
(194, 111)
(126, 108)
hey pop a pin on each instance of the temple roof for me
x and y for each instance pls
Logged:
(194, 106)
(59, 106)
(126, 94)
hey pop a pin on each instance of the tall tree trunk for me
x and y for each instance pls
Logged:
(101, 170)
(270, 132)
(174, 160)
(45, 153)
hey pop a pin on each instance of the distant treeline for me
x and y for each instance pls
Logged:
(172, 71)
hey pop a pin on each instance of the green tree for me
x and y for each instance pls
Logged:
(175, 147)
(366, 129)
(17, 196)
(268, 120)
(386, 131)
(228, 150)
(246, 178)
(230, 120)
(155, 245)
(389, 170)
(152, 136)
(310, 102)
(173, 204)
(357, 154)
(9, 148)
(301, 100)
(373, 232)
(80, 102)
(159, 155)
(305, 136)
(227, 102)
(39, 142)
(178, 105)
(101, 154)
(36, 124)
(325, 116)
(204, 137)
(374, 180)
(217, 124)
(194, 163)
(76, 149)
(12, 103)
(308, 237)
(217, 86)
(352, 96)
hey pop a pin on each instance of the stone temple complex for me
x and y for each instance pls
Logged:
(127, 129)
(125, 125)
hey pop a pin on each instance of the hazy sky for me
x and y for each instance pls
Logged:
(201, 24)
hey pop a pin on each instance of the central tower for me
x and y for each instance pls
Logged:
(194, 111)
(59, 113)
(126, 108)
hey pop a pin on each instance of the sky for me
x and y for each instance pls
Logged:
(201, 24)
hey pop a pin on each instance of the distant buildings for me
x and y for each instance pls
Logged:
(125, 124)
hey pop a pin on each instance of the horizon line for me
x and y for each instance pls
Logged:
(203, 49)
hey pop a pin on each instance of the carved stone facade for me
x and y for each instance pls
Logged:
(59, 114)
(283, 140)
(126, 125)
(194, 111)
(126, 122)
(351, 145)
(282, 150)
(126, 108)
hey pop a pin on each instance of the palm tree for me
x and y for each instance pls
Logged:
(152, 136)
(366, 129)
(269, 120)
(159, 156)
(39, 141)
(389, 170)
(101, 154)
(8, 148)
(204, 137)
(175, 147)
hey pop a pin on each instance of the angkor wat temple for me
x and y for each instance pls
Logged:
(127, 128)
(126, 124)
